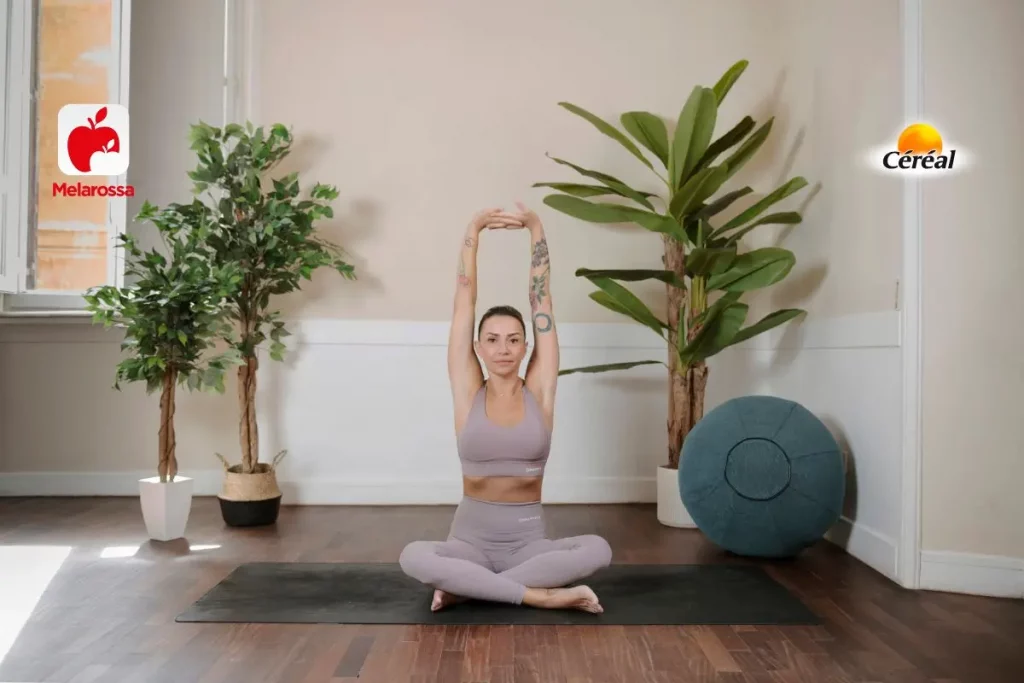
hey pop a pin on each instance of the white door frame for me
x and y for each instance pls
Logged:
(908, 555)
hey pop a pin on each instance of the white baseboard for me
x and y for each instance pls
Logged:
(597, 490)
(868, 545)
(990, 575)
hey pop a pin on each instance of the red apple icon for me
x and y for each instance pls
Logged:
(85, 141)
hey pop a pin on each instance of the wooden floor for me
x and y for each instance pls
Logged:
(105, 617)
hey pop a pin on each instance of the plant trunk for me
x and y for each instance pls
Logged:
(168, 467)
(247, 431)
(686, 385)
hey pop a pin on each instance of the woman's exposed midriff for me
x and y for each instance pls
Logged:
(496, 489)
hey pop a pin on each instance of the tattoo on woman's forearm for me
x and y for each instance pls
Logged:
(542, 322)
(468, 242)
(538, 289)
(540, 253)
(463, 280)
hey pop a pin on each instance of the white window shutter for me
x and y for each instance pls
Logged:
(16, 74)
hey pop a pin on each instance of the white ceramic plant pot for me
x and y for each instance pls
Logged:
(166, 506)
(671, 511)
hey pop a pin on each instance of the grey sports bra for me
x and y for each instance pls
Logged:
(489, 449)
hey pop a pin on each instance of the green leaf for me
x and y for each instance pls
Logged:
(702, 262)
(693, 132)
(607, 367)
(634, 275)
(737, 159)
(699, 187)
(777, 195)
(608, 129)
(754, 270)
(620, 188)
(722, 203)
(725, 83)
(583, 190)
(725, 315)
(649, 130)
(766, 323)
(630, 303)
(784, 218)
(611, 213)
(732, 137)
(719, 324)
(609, 303)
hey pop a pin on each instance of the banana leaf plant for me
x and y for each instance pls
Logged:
(702, 258)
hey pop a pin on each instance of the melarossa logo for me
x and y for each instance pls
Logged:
(919, 147)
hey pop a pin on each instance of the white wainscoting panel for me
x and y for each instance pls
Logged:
(364, 410)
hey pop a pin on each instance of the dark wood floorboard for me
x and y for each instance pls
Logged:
(112, 619)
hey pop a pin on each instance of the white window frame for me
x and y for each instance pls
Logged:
(20, 186)
(240, 20)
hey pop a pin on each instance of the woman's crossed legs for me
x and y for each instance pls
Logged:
(534, 573)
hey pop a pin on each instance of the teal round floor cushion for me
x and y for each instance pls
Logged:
(762, 476)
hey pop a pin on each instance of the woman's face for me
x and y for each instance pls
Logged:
(502, 345)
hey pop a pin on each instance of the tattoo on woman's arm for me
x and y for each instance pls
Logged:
(538, 287)
(463, 280)
(540, 253)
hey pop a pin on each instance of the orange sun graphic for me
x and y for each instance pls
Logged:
(920, 138)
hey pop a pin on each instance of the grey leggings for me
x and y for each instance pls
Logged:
(495, 551)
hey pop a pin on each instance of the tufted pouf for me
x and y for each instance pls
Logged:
(762, 476)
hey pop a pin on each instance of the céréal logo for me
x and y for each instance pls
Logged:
(920, 151)
(919, 147)
(92, 140)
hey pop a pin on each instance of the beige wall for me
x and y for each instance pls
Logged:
(973, 241)
(841, 94)
(422, 113)
(176, 72)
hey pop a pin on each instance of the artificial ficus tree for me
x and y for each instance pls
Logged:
(701, 254)
(174, 312)
(266, 229)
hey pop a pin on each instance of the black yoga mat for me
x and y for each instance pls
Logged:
(379, 593)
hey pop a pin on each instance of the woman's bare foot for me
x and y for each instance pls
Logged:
(442, 600)
(577, 597)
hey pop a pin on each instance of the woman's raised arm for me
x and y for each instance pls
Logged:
(464, 372)
(542, 370)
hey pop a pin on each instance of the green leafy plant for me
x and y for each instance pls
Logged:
(702, 255)
(174, 312)
(269, 232)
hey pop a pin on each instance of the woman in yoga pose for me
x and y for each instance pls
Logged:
(497, 547)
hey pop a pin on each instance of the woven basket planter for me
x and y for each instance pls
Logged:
(250, 499)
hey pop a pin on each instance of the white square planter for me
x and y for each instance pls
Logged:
(166, 506)
(671, 511)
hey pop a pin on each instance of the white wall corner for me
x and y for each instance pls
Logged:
(908, 555)
(868, 545)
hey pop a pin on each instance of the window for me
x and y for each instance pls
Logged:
(56, 243)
